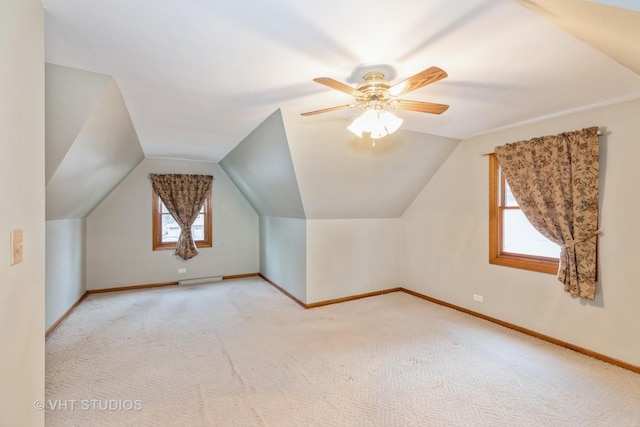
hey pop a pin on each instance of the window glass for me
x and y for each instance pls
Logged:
(197, 230)
(520, 237)
(166, 230)
(509, 200)
(513, 241)
(171, 229)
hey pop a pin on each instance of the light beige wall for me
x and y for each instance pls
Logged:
(319, 260)
(65, 266)
(283, 248)
(348, 257)
(261, 166)
(119, 232)
(22, 194)
(445, 241)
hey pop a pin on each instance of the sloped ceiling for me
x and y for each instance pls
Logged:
(198, 77)
(282, 174)
(613, 30)
(343, 176)
(201, 80)
(97, 144)
(262, 168)
(70, 97)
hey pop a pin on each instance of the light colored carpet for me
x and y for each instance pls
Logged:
(239, 353)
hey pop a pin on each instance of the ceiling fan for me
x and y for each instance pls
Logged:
(376, 95)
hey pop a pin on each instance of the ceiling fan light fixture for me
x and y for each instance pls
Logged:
(376, 95)
(356, 127)
(364, 123)
(378, 133)
(390, 121)
(377, 129)
(378, 123)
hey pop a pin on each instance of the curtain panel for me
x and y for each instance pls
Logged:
(555, 180)
(183, 195)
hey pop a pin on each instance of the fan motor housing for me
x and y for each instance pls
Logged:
(375, 88)
(377, 93)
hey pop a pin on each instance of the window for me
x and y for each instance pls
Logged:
(513, 241)
(166, 230)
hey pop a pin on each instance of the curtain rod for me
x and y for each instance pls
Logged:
(488, 153)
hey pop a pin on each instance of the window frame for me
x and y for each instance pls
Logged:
(156, 213)
(496, 209)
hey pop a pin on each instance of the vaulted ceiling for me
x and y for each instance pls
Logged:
(282, 174)
(90, 142)
(197, 77)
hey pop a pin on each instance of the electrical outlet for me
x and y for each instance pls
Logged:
(182, 270)
(478, 298)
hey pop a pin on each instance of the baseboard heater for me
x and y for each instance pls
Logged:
(200, 280)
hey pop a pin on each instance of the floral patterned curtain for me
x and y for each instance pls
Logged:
(555, 180)
(183, 195)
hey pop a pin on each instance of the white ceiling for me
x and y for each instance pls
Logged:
(199, 75)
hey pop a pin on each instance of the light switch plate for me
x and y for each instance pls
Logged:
(16, 246)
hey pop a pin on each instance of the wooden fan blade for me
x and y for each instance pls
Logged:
(326, 110)
(334, 84)
(423, 78)
(421, 107)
